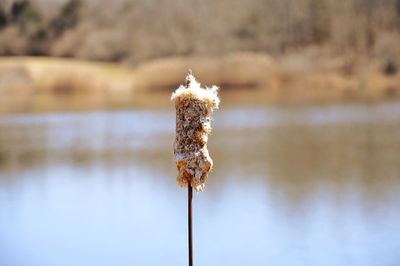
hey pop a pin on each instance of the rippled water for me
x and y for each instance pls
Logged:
(291, 186)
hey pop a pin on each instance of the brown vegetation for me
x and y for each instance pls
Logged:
(266, 51)
(40, 84)
(309, 76)
(135, 31)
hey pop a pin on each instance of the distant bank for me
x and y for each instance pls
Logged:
(34, 84)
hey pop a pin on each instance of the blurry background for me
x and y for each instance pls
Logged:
(306, 145)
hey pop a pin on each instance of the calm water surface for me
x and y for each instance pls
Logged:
(291, 186)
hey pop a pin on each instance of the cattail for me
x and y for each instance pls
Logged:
(194, 106)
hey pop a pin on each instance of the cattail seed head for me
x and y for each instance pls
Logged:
(194, 106)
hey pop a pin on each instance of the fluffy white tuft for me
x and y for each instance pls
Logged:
(194, 91)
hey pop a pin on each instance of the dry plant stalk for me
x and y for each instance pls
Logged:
(194, 106)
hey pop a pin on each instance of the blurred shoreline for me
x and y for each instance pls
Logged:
(37, 84)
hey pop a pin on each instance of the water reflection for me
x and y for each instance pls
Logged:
(291, 186)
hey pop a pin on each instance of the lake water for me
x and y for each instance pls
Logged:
(291, 186)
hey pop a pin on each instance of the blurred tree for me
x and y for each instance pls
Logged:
(390, 67)
(320, 21)
(370, 34)
(19, 8)
(249, 29)
(68, 17)
(137, 30)
(3, 17)
(398, 10)
(26, 15)
(39, 44)
(31, 25)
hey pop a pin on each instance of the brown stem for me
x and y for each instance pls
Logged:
(190, 216)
